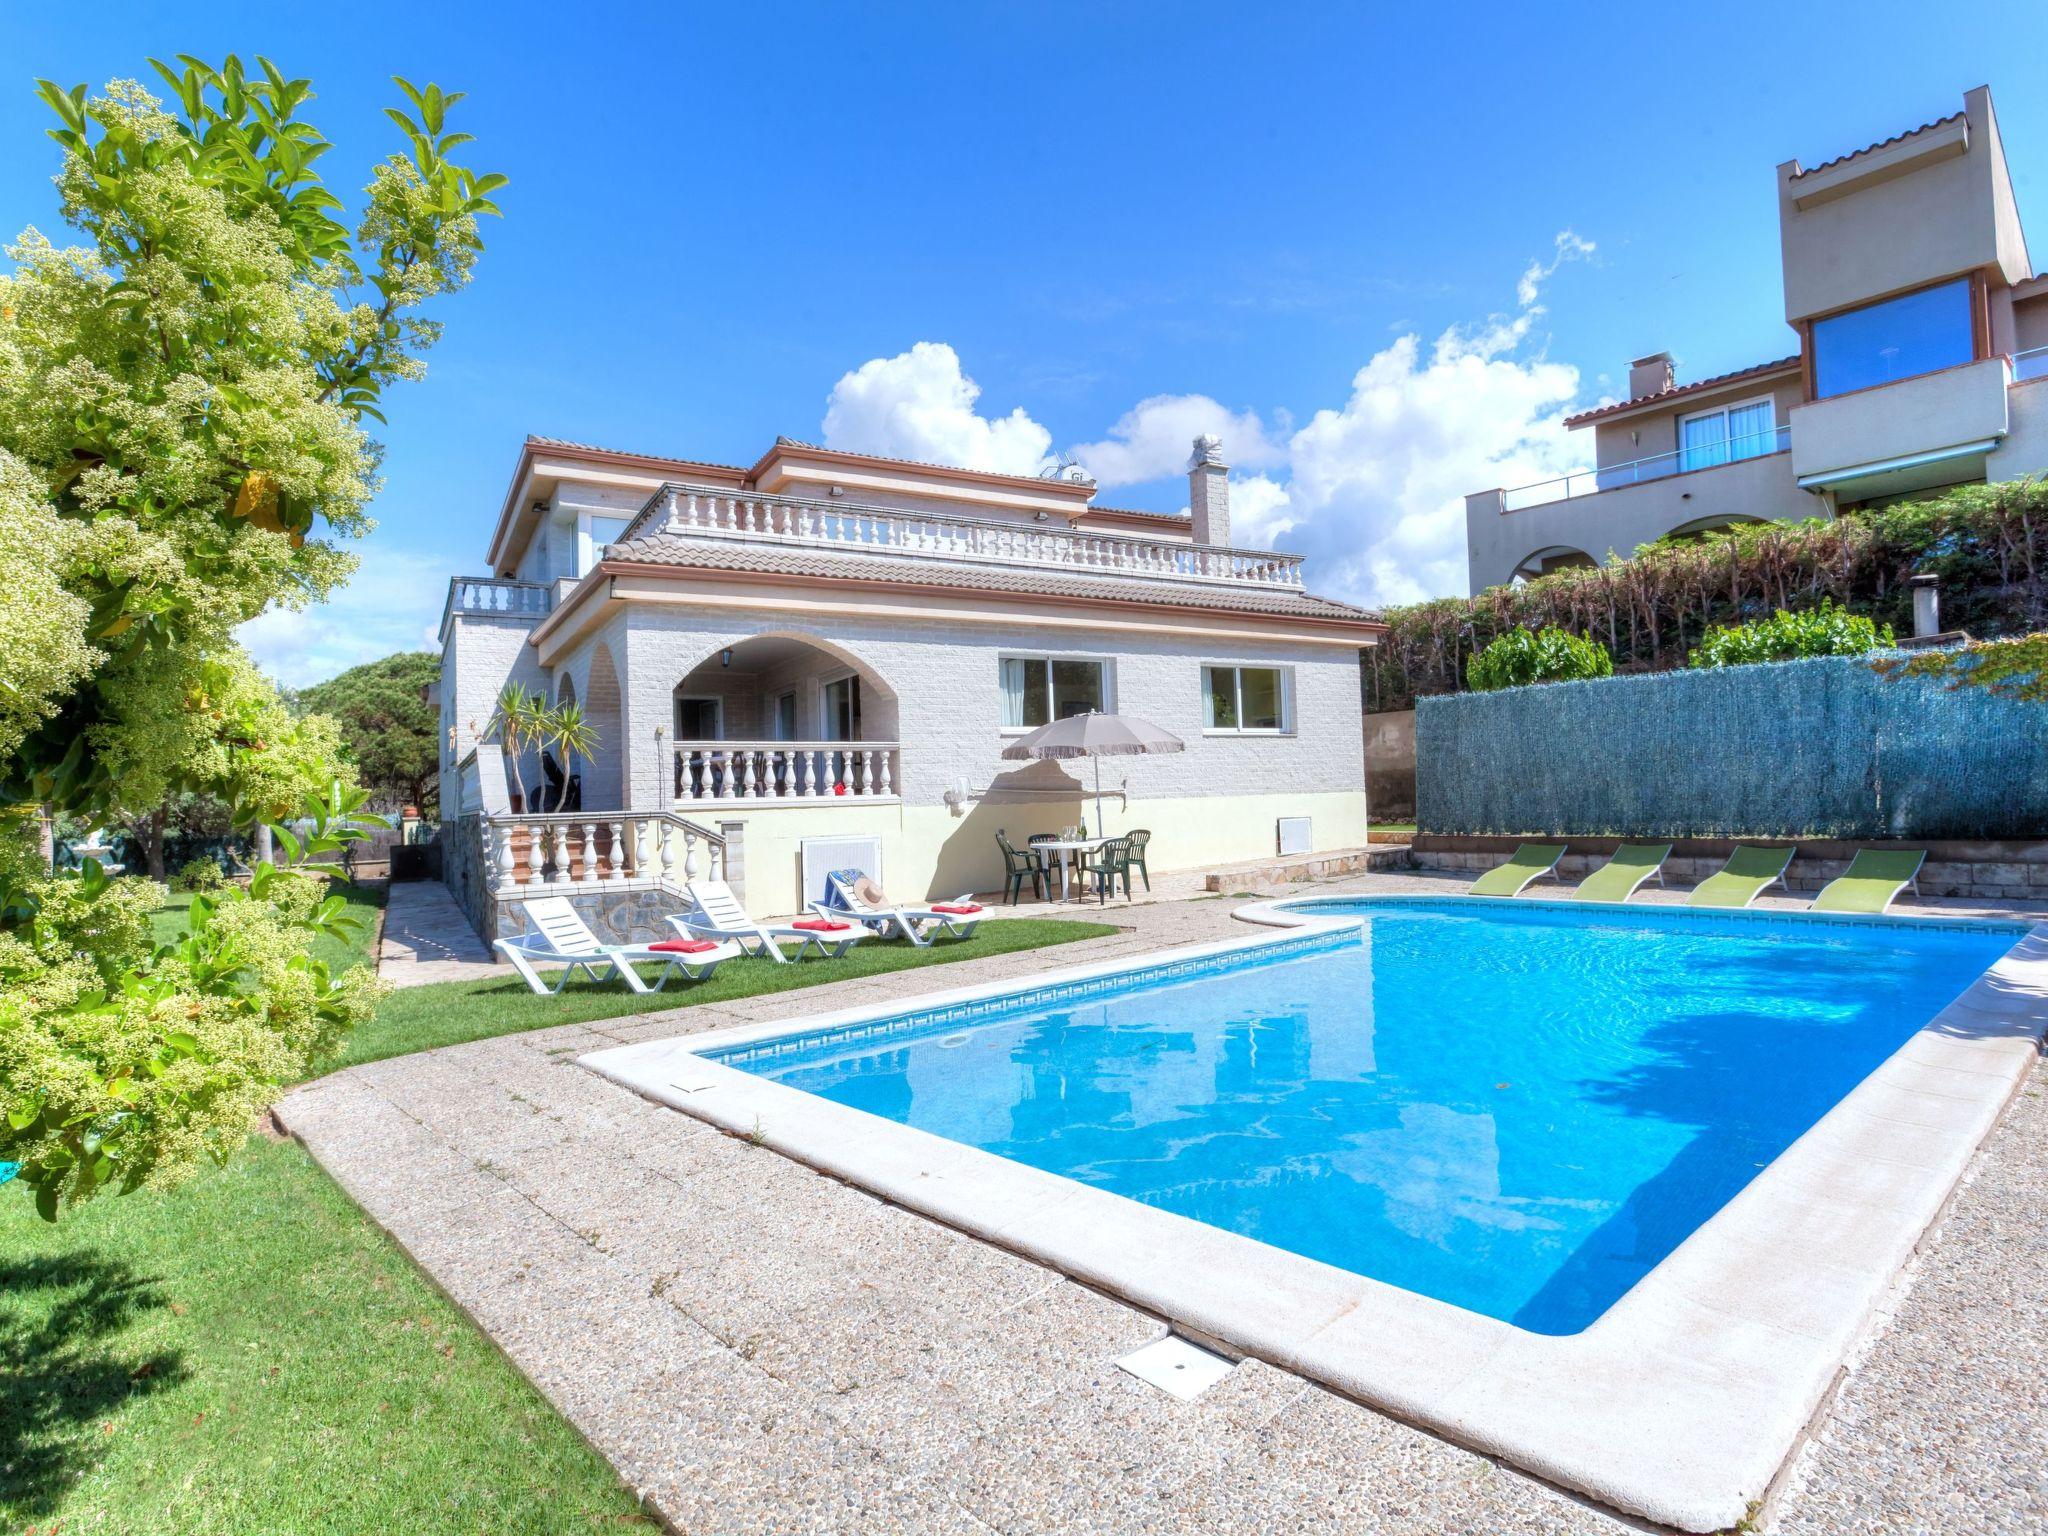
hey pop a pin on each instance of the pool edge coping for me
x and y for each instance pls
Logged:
(1681, 1403)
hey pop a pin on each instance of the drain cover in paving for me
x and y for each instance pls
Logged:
(1174, 1365)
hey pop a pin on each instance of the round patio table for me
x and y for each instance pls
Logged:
(1066, 848)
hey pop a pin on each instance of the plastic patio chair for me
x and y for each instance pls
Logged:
(1138, 837)
(1110, 860)
(1019, 867)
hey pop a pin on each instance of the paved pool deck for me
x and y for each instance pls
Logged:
(757, 1347)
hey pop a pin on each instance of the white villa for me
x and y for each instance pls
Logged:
(816, 661)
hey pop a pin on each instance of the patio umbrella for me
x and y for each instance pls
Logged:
(1097, 736)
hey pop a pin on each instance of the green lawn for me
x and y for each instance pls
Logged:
(450, 1012)
(249, 1354)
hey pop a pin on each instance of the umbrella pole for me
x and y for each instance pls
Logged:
(1098, 797)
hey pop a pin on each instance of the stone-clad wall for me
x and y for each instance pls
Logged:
(1996, 872)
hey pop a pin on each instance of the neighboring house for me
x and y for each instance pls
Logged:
(817, 660)
(1920, 329)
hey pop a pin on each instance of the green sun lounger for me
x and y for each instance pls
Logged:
(1531, 862)
(1872, 881)
(1748, 873)
(1619, 878)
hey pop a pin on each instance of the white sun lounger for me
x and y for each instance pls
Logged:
(914, 921)
(720, 915)
(558, 936)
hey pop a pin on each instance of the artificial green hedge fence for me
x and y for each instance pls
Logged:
(1819, 748)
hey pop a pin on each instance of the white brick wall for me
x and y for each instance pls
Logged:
(480, 656)
(945, 678)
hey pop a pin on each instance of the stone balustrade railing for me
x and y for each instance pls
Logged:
(706, 512)
(787, 771)
(590, 850)
(491, 597)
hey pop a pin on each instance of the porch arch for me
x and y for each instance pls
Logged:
(1552, 557)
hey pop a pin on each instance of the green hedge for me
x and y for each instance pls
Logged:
(1987, 543)
(1819, 748)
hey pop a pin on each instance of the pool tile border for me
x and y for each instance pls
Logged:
(1680, 1404)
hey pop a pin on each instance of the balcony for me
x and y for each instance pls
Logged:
(1658, 466)
(765, 773)
(1933, 429)
(490, 598)
(700, 512)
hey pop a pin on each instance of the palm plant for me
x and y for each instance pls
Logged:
(517, 725)
(569, 731)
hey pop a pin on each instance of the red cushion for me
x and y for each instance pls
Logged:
(684, 946)
(821, 925)
(955, 909)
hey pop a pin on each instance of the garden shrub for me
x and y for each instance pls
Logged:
(201, 874)
(1822, 631)
(1523, 656)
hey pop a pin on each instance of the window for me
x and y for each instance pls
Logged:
(598, 532)
(1726, 433)
(699, 719)
(842, 709)
(785, 717)
(1244, 699)
(1040, 689)
(1893, 339)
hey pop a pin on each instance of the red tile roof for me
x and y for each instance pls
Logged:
(1678, 391)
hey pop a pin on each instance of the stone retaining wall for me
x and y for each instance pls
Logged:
(1981, 871)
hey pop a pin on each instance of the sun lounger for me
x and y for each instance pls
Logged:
(1748, 873)
(1532, 861)
(557, 936)
(850, 893)
(1621, 876)
(1873, 880)
(721, 916)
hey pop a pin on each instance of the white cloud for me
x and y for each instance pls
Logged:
(1151, 440)
(920, 405)
(392, 603)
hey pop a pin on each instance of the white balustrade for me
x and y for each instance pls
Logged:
(582, 853)
(785, 772)
(697, 511)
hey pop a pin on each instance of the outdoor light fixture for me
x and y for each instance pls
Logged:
(725, 657)
(1043, 517)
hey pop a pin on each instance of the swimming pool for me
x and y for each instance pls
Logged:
(1519, 1109)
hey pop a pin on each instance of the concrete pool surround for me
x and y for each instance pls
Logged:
(1680, 1404)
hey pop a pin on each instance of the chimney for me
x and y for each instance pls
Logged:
(1209, 491)
(1926, 605)
(1650, 375)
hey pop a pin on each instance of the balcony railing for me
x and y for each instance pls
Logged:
(591, 850)
(1658, 466)
(787, 772)
(491, 597)
(2031, 364)
(709, 513)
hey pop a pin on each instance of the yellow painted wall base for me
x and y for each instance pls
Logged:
(929, 852)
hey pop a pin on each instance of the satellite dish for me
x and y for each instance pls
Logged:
(1068, 469)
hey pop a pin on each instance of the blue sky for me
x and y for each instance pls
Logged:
(1382, 250)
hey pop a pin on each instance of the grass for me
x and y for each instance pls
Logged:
(451, 1012)
(248, 1353)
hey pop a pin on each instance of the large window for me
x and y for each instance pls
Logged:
(1895, 339)
(1726, 433)
(1244, 699)
(1040, 689)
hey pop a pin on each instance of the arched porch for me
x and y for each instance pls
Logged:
(784, 717)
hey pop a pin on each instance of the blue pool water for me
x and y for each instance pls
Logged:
(1518, 1110)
